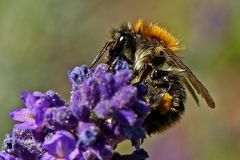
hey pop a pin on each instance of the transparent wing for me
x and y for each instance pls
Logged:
(191, 77)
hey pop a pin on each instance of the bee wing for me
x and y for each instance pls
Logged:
(191, 77)
(191, 90)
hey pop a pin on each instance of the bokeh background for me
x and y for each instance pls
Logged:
(41, 40)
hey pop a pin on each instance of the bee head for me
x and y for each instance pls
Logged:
(123, 45)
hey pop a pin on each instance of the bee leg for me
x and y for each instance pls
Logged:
(112, 66)
(176, 101)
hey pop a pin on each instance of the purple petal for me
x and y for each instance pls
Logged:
(79, 74)
(76, 155)
(120, 65)
(106, 83)
(38, 94)
(60, 118)
(26, 125)
(87, 134)
(122, 78)
(135, 134)
(42, 103)
(104, 109)
(89, 91)
(81, 111)
(141, 108)
(40, 108)
(126, 96)
(48, 156)
(126, 117)
(60, 145)
(28, 99)
(54, 99)
(72, 156)
(100, 70)
(117, 136)
(6, 156)
(22, 115)
(142, 90)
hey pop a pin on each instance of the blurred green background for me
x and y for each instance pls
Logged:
(41, 40)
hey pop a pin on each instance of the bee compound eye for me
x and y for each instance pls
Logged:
(121, 38)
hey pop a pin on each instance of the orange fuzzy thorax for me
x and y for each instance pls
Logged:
(154, 31)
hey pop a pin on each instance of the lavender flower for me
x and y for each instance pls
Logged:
(104, 110)
(36, 104)
(112, 98)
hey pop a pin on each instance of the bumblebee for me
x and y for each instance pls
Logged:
(148, 47)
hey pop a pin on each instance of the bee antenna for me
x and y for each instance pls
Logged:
(99, 55)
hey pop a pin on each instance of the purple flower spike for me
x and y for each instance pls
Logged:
(62, 145)
(104, 110)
